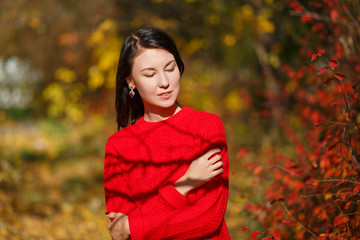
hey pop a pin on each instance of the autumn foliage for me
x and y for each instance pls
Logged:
(282, 74)
(315, 191)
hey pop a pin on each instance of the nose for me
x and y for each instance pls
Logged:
(163, 81)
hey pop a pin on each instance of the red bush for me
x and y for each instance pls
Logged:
(315, 192)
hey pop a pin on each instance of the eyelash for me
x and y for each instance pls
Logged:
(169, 70)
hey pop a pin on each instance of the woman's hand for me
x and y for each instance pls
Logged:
(119, 228)
(200, 171)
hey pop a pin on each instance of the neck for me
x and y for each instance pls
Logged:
(160, 114)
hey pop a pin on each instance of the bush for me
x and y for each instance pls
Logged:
(315, 192)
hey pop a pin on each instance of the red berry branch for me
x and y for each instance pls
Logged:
(314, 190)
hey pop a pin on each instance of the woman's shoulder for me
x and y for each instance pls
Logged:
(206, 123)
(122, 136)
(208, 127)
(206, 117)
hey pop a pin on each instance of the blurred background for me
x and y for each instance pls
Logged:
(244, 60)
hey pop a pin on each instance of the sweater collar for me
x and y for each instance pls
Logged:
(173, 120)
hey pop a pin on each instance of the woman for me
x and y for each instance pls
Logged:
(166, 171)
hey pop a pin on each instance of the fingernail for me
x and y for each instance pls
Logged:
(107, 213)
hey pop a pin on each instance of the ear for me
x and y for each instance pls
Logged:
(130, 82)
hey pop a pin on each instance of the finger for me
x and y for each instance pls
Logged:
(211, 152)
(114, 217)
(111, 215)
(217, 165)
(110, 225)
(217, 172)
(119, 214)
(115, 214)
(215, 159)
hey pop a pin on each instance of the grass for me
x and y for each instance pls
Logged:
(51, 179)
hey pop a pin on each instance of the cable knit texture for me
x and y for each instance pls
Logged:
(142, 161)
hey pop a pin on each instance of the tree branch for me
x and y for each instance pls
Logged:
(335, 180)
(305, 228)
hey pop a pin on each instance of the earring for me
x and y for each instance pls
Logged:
(132, 93)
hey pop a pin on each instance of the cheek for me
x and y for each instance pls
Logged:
(145, 86)
(176, 79)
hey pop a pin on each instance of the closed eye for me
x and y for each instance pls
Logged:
(149, 75)
(170, 70)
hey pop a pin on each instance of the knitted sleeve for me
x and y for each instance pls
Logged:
(202, 218)
(118, 197)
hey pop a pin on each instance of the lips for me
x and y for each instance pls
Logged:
(165, 95)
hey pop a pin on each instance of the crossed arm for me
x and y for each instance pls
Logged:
(200, 171)
(170, 215)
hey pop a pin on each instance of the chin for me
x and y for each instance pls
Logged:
(163, 105)
(169, 105)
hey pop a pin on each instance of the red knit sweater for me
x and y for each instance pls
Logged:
(142, 161)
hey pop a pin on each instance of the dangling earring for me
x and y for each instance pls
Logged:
(132, 93)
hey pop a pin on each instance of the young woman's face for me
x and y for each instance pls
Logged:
(156, 76)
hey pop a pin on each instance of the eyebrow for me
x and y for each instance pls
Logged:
(150, 68)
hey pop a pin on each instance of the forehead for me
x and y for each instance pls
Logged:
(152, 57)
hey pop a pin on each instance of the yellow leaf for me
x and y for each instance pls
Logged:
(264, 25)
(73, 111)
(195, 45)
(96, 37)
(74, 94)
(96, 78)
(65, 75)
(247, 11)
(229, 40)
(214, 19)
(108, 60)
(233, 101)
(99, 34)
(108, 25)
(55, 110)
(53, 92)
